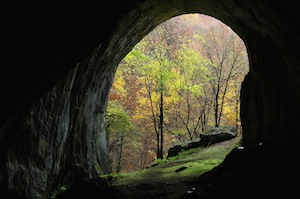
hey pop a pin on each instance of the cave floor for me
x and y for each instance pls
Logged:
(228, 185)
(159, 190)
(257, 171)
(254, 172)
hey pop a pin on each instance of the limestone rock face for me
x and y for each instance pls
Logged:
(60, 66)
(63, 128)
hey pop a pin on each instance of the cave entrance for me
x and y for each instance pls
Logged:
(179, 81)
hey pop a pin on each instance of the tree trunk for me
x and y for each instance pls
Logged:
(161, 121)
(120, 154)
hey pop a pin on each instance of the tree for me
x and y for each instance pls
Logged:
(187, 89)
(118, 126)
(224, 50)
(155, 73)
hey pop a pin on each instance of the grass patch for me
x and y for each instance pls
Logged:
(188, 170)
(186, 165)
(184, 153)
(55, 193)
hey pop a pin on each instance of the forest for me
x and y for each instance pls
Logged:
(181, 79)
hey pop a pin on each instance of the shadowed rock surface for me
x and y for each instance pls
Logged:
(60, 63)
(251, 172)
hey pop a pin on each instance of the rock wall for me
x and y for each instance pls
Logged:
(63, 128)
(269, 95)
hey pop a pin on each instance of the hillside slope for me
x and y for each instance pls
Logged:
(223, 170)
(173, 177)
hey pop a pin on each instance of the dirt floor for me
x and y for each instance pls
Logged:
(158, 190)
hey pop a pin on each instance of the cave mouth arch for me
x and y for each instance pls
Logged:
(270, 92)
(176, 35)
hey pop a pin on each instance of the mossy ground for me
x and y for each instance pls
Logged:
(168, 178)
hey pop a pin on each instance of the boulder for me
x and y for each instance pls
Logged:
(212, 136)
(175, 150)
(217, 134)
